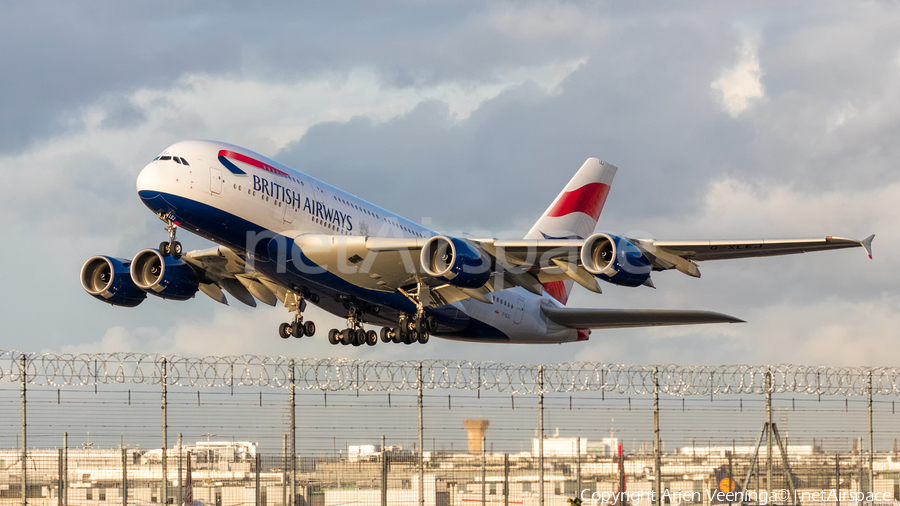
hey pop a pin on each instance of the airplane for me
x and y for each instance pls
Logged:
(286, 237)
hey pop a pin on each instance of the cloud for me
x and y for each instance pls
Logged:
(740, 85)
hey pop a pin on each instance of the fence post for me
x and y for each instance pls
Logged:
(871, 439)
(384, 473)
(421, 437)
(505, 479)
(293, 448)
(483, 470)
(165, 435)
(180, 495)
(541, 435)
(657, 450)
(65, 468)
(24, 456)
(124, 477)
(59, 481)
(284, 470)
(578, 467)
(258, 462)
(769, 433)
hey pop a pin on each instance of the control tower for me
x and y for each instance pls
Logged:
(476, 429)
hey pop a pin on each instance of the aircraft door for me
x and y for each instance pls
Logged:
(215, 181)
(520, 310)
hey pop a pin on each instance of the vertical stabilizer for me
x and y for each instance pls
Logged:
(574, 213)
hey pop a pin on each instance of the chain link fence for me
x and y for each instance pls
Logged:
(131, 429)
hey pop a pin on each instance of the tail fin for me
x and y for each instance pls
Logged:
(574, 213)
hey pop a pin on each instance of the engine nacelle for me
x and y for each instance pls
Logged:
(456, 262)
(164, 277)
(614, 259)
(108, 279)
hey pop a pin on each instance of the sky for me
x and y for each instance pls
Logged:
(726, 120)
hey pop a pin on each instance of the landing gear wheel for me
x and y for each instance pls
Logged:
(284, 330)
(411, 337)
(164, 248)
(297, 329)
(361, 336)
(395, 336)
(309, 328)
(421, 325)
(423, 338)
(334, 336)
(347, 337)
(385, 335)
(371, 338)
(176, 250)
(431, 324)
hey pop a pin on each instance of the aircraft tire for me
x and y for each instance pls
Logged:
(396, 339)
(411, 337)
(284, 330)
(346, 337)
(423, 338)
(334, 336)
(164, 248)
(361, 336)
(177, 249)
(309, 329)
(421, 325)
(371, 338)
(431, 324)
(385, 335)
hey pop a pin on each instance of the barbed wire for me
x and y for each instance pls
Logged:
(335, 374)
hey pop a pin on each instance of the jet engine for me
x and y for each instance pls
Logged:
(455, 261)
(164, 277)
(614, 259)
(107, 279)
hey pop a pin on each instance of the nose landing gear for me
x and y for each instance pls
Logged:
(170, 247)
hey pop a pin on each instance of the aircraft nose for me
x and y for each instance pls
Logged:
(149, 178)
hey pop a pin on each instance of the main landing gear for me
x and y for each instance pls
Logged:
(170, 247)
(355, 334)
(410, 330)
(298, 328)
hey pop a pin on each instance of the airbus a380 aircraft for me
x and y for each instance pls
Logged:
(287, 237)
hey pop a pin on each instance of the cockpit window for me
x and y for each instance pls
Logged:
(183, 161)
(165, 158)
(176, 159)
(155, 159)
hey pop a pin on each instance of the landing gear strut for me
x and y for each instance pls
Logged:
(354, 334)
(298, 328)
(170, 247)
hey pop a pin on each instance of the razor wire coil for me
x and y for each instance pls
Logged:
(335, 374)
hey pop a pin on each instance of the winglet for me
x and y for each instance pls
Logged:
(867, 244)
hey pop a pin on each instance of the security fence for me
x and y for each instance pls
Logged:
(120, 429)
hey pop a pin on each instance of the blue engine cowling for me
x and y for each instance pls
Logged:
(614, 259)
(456, 262)
(164, 277)
(108, 279)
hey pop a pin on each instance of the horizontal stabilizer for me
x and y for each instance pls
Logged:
(577, 318)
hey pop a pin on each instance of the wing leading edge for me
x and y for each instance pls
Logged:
(577, 318)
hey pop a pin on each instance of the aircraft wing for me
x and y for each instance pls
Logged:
(682, 255)
(394, 264)
(577, 318)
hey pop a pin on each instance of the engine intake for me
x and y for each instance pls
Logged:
(455, 261)
(615, 259)
(164, 277)
(107, 279)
